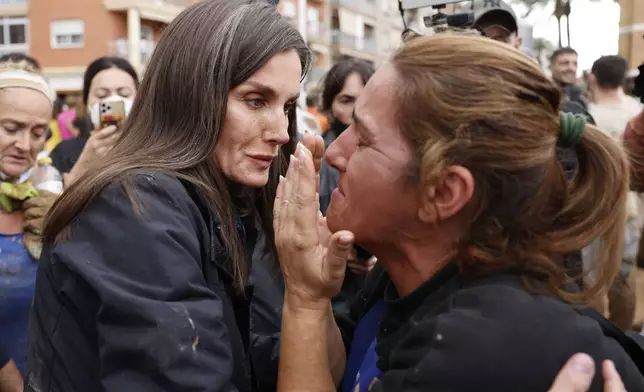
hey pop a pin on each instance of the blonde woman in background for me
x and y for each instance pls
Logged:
(28, 186)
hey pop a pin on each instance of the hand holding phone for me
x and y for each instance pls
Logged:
(112, 113)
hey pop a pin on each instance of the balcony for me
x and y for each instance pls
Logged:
(363, 7)
(13, 7)
(121, 48)
(159, 11)
(361, 44)
(317, 33)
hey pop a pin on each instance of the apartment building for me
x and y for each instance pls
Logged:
(66, 35)
(314, 25)
(365, 29)
(631, 32)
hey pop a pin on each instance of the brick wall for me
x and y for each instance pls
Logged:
(101, 29)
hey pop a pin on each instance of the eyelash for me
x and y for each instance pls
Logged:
(257, 103)
(40, 133)
(11, 128)
(360, 142)
(288, 107)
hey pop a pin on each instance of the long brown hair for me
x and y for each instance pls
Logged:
(478, 103)
(210, 48)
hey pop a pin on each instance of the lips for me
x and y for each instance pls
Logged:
(263, 157)
(262, 162)
(338, 188)
(18, 158)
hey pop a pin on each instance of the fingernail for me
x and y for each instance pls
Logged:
(346, 239)
(292, 161)
(281, 178)
(583, 364)
(611, 367)
(300, 151)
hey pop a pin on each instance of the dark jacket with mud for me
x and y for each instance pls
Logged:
(141, 303)
(461, 332)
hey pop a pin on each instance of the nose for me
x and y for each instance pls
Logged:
(339, 152)
(277, 129)
(23, 141)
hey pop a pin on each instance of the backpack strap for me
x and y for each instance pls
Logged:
(631, 342)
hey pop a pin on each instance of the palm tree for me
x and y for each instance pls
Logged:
(562, 8)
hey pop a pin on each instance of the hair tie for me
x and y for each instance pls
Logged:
(571, 129)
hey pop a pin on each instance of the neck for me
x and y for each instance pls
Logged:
(607, 96)
(411, 263)
(562, 85)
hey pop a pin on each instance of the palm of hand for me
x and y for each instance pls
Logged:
(311, 271)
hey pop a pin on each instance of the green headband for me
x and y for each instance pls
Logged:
(571, 129)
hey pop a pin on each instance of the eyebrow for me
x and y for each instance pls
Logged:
(23, 124)
(267, 90)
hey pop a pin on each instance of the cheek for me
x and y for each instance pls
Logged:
(342, 111)
(6, 141)
(241, 130)
(37, 145)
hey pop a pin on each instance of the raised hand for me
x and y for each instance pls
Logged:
(312, 260)
(315, 144)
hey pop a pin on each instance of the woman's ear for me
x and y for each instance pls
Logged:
(446, 195)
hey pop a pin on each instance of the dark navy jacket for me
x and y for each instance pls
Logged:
(141, 303)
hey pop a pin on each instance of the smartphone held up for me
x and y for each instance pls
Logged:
(110, 111)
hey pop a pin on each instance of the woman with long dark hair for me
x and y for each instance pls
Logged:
(106, 78)
(143, 284)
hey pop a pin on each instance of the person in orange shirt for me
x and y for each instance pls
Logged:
(312, 107)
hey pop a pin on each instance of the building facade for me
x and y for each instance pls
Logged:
(334, 29)
(66, 35)
(631, 32)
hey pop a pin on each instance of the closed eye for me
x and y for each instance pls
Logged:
(11, 127)
(39, 132)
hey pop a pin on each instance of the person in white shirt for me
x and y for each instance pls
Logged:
(611, 108)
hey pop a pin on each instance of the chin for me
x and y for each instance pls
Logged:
(13, 171)
(253, 180)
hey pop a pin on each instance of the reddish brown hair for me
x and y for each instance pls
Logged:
(480, 104)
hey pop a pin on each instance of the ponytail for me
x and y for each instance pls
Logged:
(595, 208)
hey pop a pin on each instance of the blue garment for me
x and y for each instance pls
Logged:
(361, 370)
(17, 284)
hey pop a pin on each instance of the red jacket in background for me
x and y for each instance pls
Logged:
(634, 144)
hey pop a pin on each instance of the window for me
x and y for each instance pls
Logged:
(147, 33)
(313, 21)
(369, 31)
(13, 35)
(335, 20)
(67, 33)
